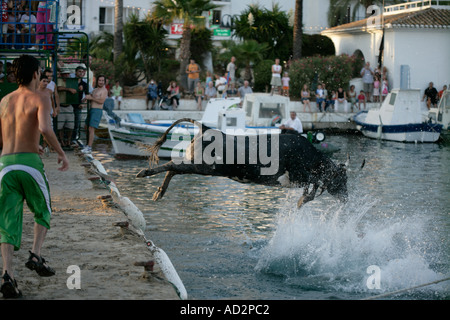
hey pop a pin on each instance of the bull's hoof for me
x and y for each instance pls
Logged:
(158, 194)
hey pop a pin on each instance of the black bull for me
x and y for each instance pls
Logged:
(295, 162)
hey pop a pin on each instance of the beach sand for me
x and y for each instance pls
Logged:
(82, 235)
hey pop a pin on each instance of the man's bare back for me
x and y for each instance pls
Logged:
(24, 116)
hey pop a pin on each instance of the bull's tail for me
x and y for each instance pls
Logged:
(154, 149)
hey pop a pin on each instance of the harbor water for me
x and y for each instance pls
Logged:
(229, 240)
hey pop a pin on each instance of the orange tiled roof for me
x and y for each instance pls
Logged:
(431, 17)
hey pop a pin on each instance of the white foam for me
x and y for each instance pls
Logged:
(327, 240)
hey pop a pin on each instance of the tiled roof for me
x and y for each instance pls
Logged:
(426, 18)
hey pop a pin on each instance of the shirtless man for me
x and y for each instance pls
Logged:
(97, 99)
(24, 116)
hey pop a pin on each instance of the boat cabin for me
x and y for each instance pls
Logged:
(442, 113)
(262, 109)
(399, 107)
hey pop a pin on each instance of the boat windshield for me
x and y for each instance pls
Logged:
(269, 110)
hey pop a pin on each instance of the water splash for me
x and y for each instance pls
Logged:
(326, 245)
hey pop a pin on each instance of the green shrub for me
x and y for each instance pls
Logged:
(334, 71)
(263, 75)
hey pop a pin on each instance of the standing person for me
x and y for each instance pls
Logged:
(117, 93)
(431, 94)
(231, 69)
(47, 93)
(376, 89)
(82, 90)
(4, 31)
(52, 86)
(24, 116)
(44, 90)
(152, 94)
(292, 125)
(28, 22)
(285, 81)
(367, 77)
(276, 76)
(193, 71)
(199, 95)
(384, 87)
(97, 98)
(43, 24)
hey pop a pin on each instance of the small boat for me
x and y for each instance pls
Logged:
(260, 113)
(402, 117)
(441, 115)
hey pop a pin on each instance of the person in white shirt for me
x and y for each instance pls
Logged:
(28, 26)
(221, 85)
(276, 76)
(231, 69)
(292, 125)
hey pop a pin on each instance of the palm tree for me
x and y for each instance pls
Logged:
(118, 32)
(190, 12)
(266, 26)
(250, 52)
(148, 37)
(298, 30)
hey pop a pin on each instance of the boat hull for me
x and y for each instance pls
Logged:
(129, 143)
(413, 132)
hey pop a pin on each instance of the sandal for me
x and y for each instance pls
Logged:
(9, 288)
(41, 268)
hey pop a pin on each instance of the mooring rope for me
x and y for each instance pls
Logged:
(404, 290)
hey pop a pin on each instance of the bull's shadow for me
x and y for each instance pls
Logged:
(286, 160)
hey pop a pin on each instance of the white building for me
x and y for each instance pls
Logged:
(417, 38)
(93, 16)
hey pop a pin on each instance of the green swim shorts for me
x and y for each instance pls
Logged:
(22, 177)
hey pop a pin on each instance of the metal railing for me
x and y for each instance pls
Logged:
(26, 25)
(414, 6)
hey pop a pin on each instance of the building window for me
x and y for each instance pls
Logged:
(106, 17)
(216, 17)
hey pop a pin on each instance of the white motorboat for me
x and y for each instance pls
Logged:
(442, 114)
(402, 117)
(260, 113)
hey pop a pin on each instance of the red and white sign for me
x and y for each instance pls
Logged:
(176, 28)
